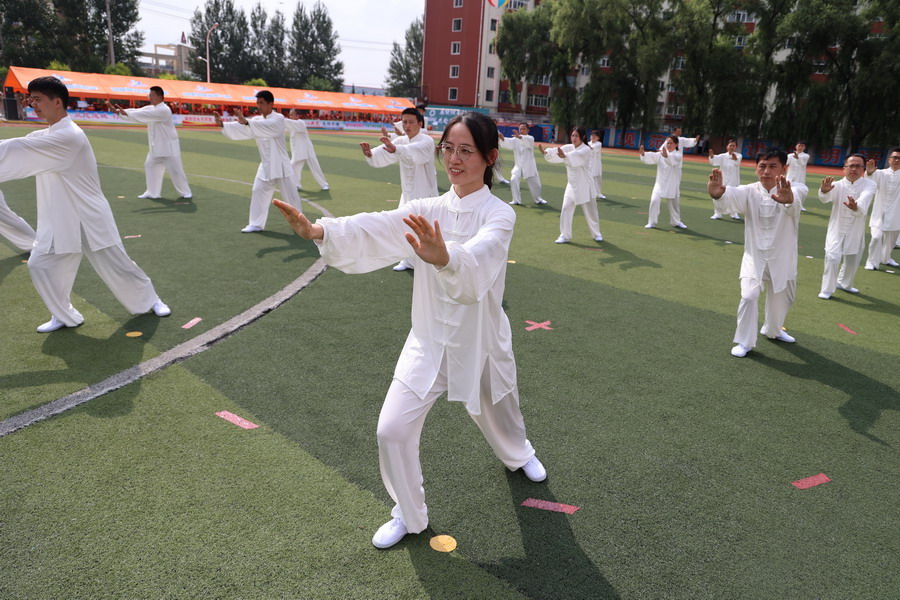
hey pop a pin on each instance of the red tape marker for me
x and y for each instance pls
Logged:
(191, 323)
(533, 326)
(233, 418)
(809, 482)
(554, 506)
(847, 329)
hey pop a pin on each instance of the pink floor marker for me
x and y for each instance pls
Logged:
(191, 323)
(847, 329)
(233, 418)
(554, 506)
(533, 326)
(128, 237)
(643, 213)
(808, 482)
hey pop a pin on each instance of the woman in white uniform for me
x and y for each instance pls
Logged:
(460, 343)
(581, 187)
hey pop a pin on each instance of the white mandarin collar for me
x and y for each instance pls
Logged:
(470, 201)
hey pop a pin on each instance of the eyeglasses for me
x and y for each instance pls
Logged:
(463, 152)
(894, 158)
(854, 166)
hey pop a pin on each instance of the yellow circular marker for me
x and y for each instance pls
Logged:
(134, 334)
(443, 543)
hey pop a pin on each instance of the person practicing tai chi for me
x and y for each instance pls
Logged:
(302, 151)
(729, 162)
(165, 151)
(73, 216)
(885, 220)
(771, 221)
(15, 228)
(267, 129)
(414, 151)
(581, 188)
(668, 178)
(460, 343)
(597, 162)
(846, 236)
(525, 166)
(796, 171)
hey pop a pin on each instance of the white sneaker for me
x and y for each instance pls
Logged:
(505, 181)
(514, 202)
(824, 295)
(715, 217)
(251, 229)
(390, 533)
(784, 337)
(892, 263)
(52, 325)
(561, 240)
(849, 290)
(540, 201)
(869, 267)
(534, 470)
(735, 216)
(146, 195)
(160, 309)
(740, 351)
(598, 238)
(402, 266)
(602, 197)
(680, 225)
(188, 197)
(325, 188)
(649, 226)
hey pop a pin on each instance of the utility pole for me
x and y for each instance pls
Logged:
(112, 50)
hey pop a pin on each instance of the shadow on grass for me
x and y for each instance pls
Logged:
(868, 398)
(292, 242)
(613, 255)
(165, 205)
(8, 264)
(868, 302)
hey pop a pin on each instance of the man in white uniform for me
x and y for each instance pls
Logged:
(885, 220)
(165, 151)
(683, 144)
(415, 154)
(729, 162)
(525, 166)
(668, 177)
(796, 166)
(267, 129)
(771, 222)
(74, 218)
(850, 199)
(302, 151)
(597, 162)
(15, 228)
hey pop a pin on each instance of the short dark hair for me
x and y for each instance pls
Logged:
(855, 155)
(158, 91)
(415, 112)
(51, 87)
(484, 133)
(772, 152)
(897, 149)
(729, 140)
(266, 95)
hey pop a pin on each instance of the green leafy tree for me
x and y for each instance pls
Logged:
(229, 61)
(256, 82)
(314, 49)
(27, 32)
(117, 69)
(404, 76)
(81, 34)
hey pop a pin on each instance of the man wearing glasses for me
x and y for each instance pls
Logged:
(885, 220)
(846, 237)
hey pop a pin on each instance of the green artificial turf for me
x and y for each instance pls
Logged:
(679, 456)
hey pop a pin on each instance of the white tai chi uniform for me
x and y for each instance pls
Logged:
(525, 167)
(770, 256)
(796, 169)
(581, 188)
(73, 218)
(885, 220)
(668, 178)
(846, 235)
(460, 342)
(731, 174)
(683, 144)
(416, 158)
(15, 228)
(165, 151)
(274, 167)
(597, 166)
(303, 153)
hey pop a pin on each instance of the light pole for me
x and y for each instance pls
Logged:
(207, 50)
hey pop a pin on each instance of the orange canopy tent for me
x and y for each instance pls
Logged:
(118, 87)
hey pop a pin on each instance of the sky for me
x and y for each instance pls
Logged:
(366, 28)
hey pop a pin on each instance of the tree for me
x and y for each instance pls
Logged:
(229, 62)
(26, 33)
(314, 49)
(81, 34)
(117, 69)
(404, 76)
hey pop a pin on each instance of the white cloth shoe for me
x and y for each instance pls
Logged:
(514, 202)
(598, 238)
(325, 188)
(188, 197)
(849, 290)
(784, 337)
(870, 268)
(736, 216)
(740, 351)
(534, 470)
(540, 201)
(715, 217)
(145, 195)
(680, 225)
(390, 533)
(892, 263)
(824, 296)
(52, 325)
(402, 266)
(602, 197)
(561, 240)
(251, 229)
(649, 226)
(160, 309)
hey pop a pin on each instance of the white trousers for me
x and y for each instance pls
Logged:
(54, 274)
(599, 180)
(15, 228)
(881, 246)
(719, 215)
(154, 169)
(831, 278)
(674, 210)
(314, 168)
(400, 429)
(264, 191)
(567, 214)
(515, 182)
(777, 305)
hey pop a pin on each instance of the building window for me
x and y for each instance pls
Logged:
(819, 67)
(503, 97)
(738, 16)
(671, 87)
(740, 41)
(662, 85)
(490, 72)
(453, 94)
(603, 62)
(457, 3)
(454, 71)
(489, 95)
(457, 25)
(493, 24)
(491, 48)
(678, 63)
(517, 4)
(542, 80)
(659, 108)
(455, 47)
(538, 100)
(585, 70)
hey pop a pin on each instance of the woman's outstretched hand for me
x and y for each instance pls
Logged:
(427, 242)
